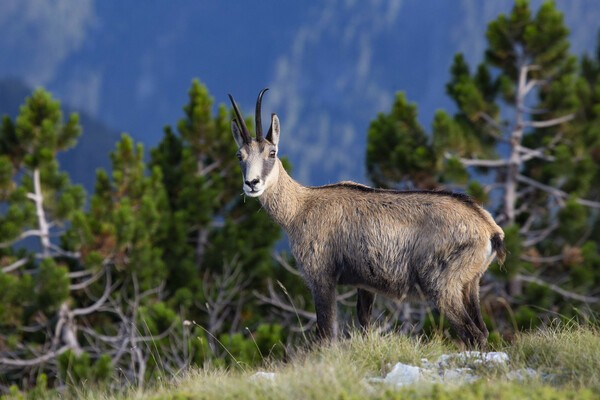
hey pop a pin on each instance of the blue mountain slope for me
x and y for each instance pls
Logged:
(348, 63)
(92, 149)
(331, 65)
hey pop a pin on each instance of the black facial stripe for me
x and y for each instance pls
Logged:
(267, 168)
(244, 167)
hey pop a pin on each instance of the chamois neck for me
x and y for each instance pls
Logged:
(283, 199)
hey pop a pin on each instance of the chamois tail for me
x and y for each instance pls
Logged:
(498, 247)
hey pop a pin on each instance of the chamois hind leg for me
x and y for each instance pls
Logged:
(471, 301)
(455, 312)
(324, 296)
(364, 306)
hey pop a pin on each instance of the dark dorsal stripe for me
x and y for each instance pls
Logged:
(463, 198)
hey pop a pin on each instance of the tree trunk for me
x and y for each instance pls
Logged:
(514, 286)
(38, 199)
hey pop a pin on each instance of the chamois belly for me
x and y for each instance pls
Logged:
(390, 269)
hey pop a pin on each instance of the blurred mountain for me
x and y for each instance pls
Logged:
(92, 149)
(331, 65)
(350, 58)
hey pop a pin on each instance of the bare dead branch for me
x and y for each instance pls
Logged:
(344, 296)
(472, 162)
(559, 290)
(531, 84)
(88, 282)
(34, 361)
(523, 87)
(38, 198)
(285, 264)
(220, 292)
(533, 111)
(469, 162)
(528, 154)
(556, 192)
(64, 253)
(550, 122)
(94, 307)
(539, 235)
(24, 235)
(209, 168)
(80, 274)
(492, 186)
(524, 229)
(14, 266)
(549, 260)
(275, 300)
(495, 125)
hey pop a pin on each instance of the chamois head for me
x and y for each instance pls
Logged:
(257, 156)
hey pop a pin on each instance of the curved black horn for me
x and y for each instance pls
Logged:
(257, 115)
(240, 121)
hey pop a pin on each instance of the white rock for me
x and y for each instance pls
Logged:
(474, 357)
(403, 374)
(459, 376)
(521, 374)
(263, 375)
(458, 368)
(497, 357)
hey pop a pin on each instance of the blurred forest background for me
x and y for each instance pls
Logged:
(129, 256)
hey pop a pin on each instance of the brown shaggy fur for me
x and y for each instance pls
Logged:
(403, 245)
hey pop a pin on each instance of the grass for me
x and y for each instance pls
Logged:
(567, 360)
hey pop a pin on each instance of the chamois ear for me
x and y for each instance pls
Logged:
(273, 134)
(237, 134)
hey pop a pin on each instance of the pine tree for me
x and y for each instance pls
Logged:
(39, 274)
(525, 141)
(218, 245)
(120, 236)
(398, 152)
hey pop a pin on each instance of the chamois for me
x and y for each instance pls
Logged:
(406, 245)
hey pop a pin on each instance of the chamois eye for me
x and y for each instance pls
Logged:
(239, 156)
(272, 154)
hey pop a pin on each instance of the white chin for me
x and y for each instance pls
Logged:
(255, 193)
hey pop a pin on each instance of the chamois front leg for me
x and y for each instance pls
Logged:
(324, 296)
(364, 306)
